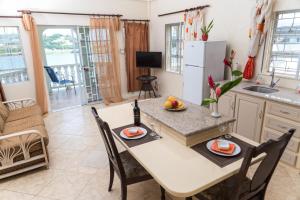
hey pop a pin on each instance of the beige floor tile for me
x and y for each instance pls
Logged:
(30, 183)
(66, 186)
(10, 195)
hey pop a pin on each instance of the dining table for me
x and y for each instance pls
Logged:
(178, 168)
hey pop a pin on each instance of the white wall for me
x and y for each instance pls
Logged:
(232, 19)
(131, 9)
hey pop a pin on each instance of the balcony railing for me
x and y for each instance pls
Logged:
(13, 76)
(69, 71)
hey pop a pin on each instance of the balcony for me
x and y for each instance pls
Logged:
(62, 96)
(13, 76)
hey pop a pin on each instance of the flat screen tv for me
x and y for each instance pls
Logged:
(149, 59)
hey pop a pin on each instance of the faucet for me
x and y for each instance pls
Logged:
(273, 83)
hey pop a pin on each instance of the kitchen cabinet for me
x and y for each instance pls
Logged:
(227, 104)
(279, 118)
(249, 113)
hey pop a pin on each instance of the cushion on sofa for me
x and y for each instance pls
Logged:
(1, 124)
(14, 141)
(3, 111)
(23, 113)
(23, 124)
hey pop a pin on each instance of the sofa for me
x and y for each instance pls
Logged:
(23, 137)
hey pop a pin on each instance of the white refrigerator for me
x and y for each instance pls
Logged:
(202, 59)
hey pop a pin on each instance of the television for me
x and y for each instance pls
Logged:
(149, 59)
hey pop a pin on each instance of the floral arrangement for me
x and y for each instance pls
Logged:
(229, 63)
(219, 90)
(206, 29)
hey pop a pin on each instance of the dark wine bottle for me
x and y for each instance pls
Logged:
(136, 114)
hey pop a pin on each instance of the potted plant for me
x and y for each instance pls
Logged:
(206, 29)
(218, 90)
(228, 62)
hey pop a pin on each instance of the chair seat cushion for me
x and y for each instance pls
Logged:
(23, 113)
(23, 124)
(131, 166)
(223, 190)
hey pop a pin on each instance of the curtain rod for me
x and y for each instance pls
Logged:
(135, 20)
(186, 10)
(9, 16)
(70, 13)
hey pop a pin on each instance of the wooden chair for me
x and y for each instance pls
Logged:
(240, 187)
(125, 166)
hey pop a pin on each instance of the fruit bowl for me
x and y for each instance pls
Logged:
(176, 109)
(173, 104)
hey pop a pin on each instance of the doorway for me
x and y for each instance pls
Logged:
(70, 72)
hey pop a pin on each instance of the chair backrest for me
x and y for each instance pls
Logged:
(110, 145)
(52, 74)
(262, 176)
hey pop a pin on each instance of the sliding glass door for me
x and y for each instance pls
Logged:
(88, 65)
(67, 54)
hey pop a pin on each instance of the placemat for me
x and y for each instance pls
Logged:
(222, 161)
(133, 143)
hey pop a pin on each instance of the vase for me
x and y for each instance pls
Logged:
(215, 113)
(204, 37)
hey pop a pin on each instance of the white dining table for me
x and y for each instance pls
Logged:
(180, 170)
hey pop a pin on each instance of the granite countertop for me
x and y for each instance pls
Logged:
(188, 122)
(288, 96)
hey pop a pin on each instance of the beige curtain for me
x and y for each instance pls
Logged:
(105, 49)
(136, 39)
(30, 26)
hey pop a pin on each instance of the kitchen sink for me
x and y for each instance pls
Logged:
(261, 89)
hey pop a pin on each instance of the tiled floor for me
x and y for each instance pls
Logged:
(79, 168)
(62, 98)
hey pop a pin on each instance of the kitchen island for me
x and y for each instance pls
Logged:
(190, 126)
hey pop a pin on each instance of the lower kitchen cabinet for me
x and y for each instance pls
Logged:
(249, 113)
(227, 104)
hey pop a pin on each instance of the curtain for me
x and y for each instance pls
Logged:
(136, 39)
(193, 22)
(30, 26)
(105, 50)
(260, 24)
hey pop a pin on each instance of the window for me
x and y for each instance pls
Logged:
(12, 62)
(174, 47)
(285, 46)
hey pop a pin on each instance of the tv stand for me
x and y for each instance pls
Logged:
(146, 81)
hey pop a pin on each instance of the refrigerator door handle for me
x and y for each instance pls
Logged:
(191, 65)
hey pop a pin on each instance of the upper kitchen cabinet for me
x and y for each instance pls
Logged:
(249, 113)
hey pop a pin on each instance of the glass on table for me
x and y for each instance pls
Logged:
(223, 129)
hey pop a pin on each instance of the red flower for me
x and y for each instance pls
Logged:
(227, 63)
(218, 91)
(211, 82)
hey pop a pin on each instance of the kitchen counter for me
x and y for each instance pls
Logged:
(288, 96)
(194, 120)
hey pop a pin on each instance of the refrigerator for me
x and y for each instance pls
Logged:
(201, 59)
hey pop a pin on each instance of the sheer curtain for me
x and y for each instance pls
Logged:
(260, 24)
(136, 39)
(41, 96)
(105, 49)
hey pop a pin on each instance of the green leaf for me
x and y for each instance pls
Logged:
(218, 84)
(229, 85)
(208, 101)
(236, 73)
